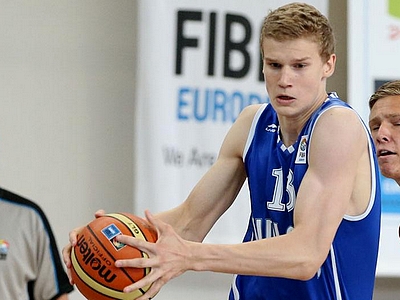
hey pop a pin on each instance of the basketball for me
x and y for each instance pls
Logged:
(96, 251)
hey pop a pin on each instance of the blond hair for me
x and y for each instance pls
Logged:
(299, 20)
(391, 88)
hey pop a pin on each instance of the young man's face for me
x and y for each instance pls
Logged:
(295, 75)
(384, 123)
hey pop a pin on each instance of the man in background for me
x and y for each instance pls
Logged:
(384, 123)
(30, 265)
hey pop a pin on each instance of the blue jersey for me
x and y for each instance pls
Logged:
(274, 174)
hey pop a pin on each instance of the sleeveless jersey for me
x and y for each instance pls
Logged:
(274, 174)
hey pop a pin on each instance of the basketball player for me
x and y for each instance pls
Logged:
(30, 264)
(313, 232)
(384, 121)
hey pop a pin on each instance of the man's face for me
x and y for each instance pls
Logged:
(384, 123)
(295, 75)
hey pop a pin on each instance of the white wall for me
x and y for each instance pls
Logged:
(66, 113)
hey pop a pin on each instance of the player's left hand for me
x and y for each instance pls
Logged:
(168, 258)
(73, 237)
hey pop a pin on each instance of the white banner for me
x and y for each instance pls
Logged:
(198, 67)
(374, 51)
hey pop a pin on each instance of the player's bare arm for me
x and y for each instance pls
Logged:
(218, 188)
(327, 187)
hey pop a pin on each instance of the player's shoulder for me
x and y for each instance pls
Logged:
(339, 125)
(334, 108)
(340, 115)
(250, 111)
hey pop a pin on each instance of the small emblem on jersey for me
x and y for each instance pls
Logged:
(271, 128)
(110, 232)
(301, 157)
(4, 246)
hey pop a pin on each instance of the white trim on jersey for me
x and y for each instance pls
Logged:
(335, 275)
(373, 180)
(235, 290)
(253, 129)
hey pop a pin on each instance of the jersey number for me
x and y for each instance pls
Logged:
(276, 202)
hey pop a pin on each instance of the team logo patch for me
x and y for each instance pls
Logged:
(301, 157)
(4, 246)
(111, 232)
(271, 128)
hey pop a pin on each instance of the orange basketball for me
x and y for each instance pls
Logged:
(96, 251)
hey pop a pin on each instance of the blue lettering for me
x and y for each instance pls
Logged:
(240, 104)
(220, 100)
(213, 105)
(200, 107)
(182, 103)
